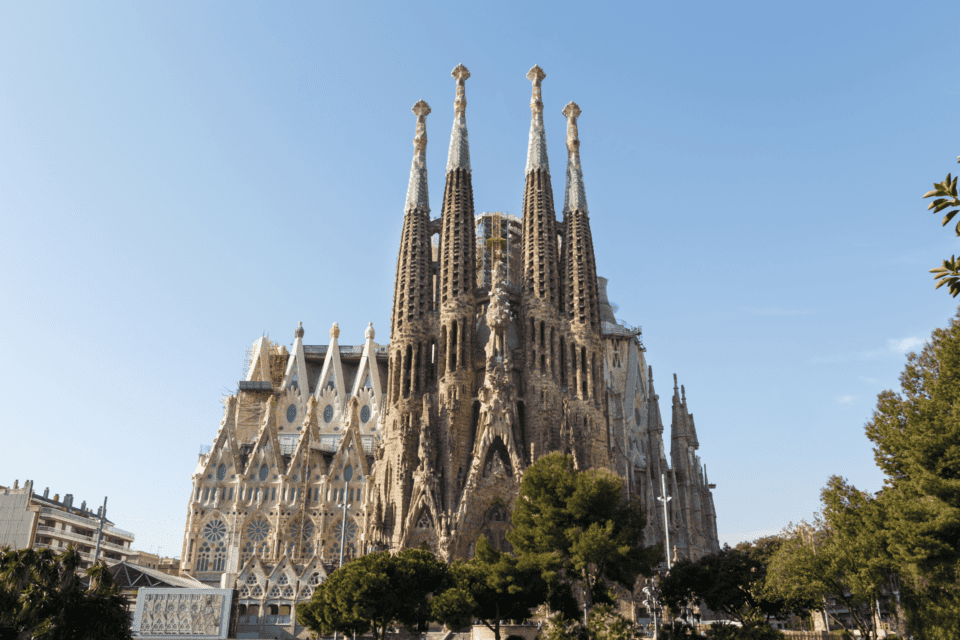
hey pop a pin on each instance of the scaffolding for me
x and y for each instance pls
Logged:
(498, 239)
(270, 360)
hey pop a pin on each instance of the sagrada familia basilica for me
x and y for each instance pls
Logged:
(503, 348)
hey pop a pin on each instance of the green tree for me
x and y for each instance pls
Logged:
(604, 623)
(946, 200)
(821, 562)
(43, 596)
(916, 438)
(374, 591)
(731, 581)
(577, 525)
(492, 586)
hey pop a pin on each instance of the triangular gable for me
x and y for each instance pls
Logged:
(350, 450)
(266, 448)
(332, 370)
(368, 368)
(259, 370)
(304, 451)
(313, 575)
(224, 449)
(297, 367)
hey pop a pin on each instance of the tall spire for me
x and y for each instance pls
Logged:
(580, 288)
(537, 149)
(459, 156)
(417, 195)
(574, 195)
(412, 288)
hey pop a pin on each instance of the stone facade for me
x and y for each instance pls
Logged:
(503, 348)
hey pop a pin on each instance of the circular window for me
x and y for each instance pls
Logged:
(328, 413)
(258, 530)
(365, 414)
(221, 472)
(215, 530)
(291, 413)
(264, 472)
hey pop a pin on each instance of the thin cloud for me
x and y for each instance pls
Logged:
(904, 346)
(846, 399)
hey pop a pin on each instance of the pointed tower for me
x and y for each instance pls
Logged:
(457, 304)
(580, 291)
(412, 294)
(542, 330)
(412, 343)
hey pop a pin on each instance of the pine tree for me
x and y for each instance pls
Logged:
(916, 437)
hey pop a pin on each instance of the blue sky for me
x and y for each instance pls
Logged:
(177, 179)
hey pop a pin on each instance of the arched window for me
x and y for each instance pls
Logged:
(273, 609)
(264, 472)
(221, 472)
(253, 610)
(300, 534)
(213, 552)
(255, 540)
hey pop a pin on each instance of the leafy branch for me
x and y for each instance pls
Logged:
(946, 200)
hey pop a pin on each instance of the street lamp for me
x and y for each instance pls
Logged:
(347, 474)
(652, 603)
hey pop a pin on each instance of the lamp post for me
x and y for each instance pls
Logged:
(652, 603)
(103, 516)
(347, 474)
(664, 498)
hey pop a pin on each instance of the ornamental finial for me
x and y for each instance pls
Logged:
(459, 155)
(572, 112)
(417, 195)
(536, 76)
(298, 333)
(461, 73)
(537, 147)
(421, 110)
(574, 196)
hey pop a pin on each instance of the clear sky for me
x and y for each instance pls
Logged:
(178, 178)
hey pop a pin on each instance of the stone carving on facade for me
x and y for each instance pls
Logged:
(173, 613)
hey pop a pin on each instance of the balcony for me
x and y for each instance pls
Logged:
(90, 522)
(91, 540)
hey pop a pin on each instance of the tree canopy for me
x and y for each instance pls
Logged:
(374, 591)
(577, 525)
(43, 596)
(491, 587)
(916, 438)
(731, 581)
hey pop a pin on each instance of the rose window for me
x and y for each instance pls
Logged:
(215, 530)
(258, 530)
(301, 531)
